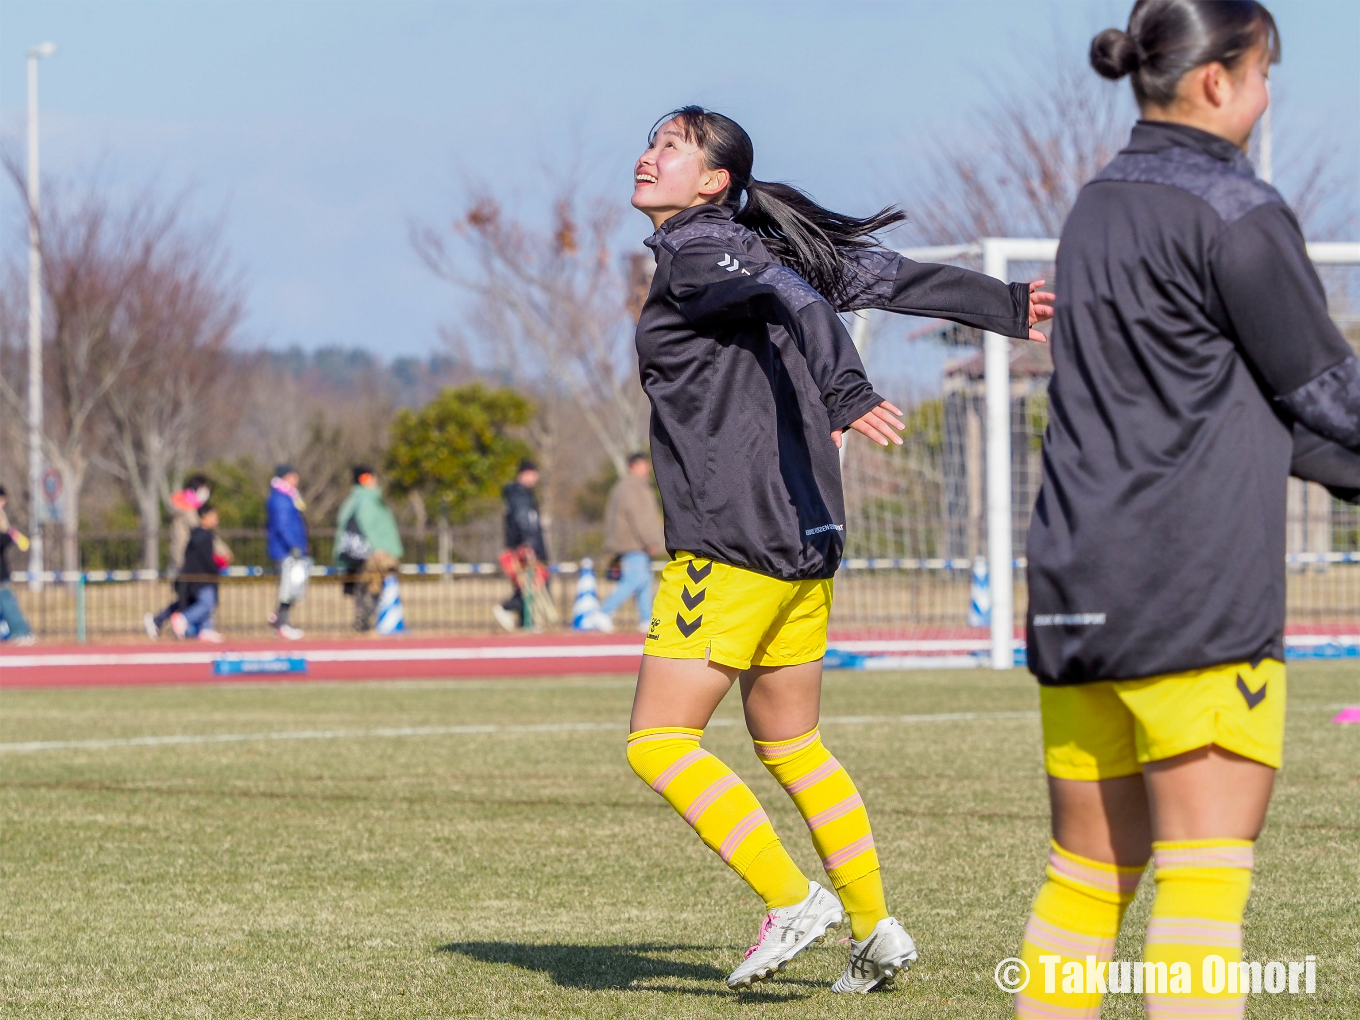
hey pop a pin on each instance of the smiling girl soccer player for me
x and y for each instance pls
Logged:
(1193, 356)
(752, 380)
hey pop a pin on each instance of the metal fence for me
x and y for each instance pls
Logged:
(475, 541)
(920, 598)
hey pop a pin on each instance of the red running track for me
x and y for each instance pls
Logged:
(192, 662)
(557, 654)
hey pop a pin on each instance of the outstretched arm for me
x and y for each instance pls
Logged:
(884, 279)
(710, 281)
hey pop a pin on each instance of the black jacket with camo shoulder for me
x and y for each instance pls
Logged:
(748, 370)
(1195, 365)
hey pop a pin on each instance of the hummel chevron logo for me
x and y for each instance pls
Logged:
(691, 600)
(698, 575)
(732, 264)
(687, 628)
(1252, 698)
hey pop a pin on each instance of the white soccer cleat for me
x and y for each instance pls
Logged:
(289, 633)
(149, 625)
(877, 960)
(786, 932)
(509, 621)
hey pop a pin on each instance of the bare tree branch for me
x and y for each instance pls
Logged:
(1045, 135)
(92, 257)
(1040, 141)
(180, 321)
(557, 302)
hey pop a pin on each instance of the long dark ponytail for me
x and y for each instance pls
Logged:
(812, 241)
(1167, 38)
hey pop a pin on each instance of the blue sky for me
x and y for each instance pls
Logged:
(315, 130)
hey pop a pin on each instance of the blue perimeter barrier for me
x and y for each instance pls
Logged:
(263, 663)
(570, 567)
(1302, 647)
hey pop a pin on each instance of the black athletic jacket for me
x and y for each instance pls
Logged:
(1194, 361)
(522, 523)
(198, 564)
(748, 371)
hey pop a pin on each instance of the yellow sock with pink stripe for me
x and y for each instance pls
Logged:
(1202, 888)
(1075, 919)
(835, 815)
(720, 808)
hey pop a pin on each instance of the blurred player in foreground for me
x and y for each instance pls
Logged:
(752, 380)
(1194, 360)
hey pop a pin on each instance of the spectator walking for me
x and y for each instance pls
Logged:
(285, 543)
(184, 509)
(634, 534)
(205, 557)
(525, 556)
(367, 545)
(10, 613)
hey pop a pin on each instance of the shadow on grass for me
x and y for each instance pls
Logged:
(619, 968)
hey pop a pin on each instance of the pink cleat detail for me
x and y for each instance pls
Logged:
(766, 926)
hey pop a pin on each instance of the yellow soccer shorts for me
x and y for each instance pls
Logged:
(1113, 727)
(736, 617)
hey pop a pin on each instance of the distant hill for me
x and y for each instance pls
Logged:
(406, 381)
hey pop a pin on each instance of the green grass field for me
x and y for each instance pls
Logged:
(527, 873)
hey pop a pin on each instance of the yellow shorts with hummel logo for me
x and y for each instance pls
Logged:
(1114, 727)
(736, 617)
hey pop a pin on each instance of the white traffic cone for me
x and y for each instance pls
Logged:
(980, 602)
(586, 613)
(391, 617)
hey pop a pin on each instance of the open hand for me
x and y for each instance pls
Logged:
(881, 425)
(1040, 309)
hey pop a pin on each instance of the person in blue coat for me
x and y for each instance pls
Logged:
(285, 537)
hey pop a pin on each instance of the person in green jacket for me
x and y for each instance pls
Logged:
(367, 545)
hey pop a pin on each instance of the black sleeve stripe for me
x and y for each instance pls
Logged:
(1329, 403)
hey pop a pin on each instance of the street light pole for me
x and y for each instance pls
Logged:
(35, 366)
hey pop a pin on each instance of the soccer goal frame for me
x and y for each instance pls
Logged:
(997, 254)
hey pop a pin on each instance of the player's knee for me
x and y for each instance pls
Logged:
(652, 752)
(792, 757)
(636, 760)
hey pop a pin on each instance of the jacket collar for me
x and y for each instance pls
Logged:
(1158, 135)
(698, 212)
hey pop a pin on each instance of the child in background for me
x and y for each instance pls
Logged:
(10, 612)
(184, 508)
(205, 556)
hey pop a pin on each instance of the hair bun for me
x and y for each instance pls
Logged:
(1114, 54)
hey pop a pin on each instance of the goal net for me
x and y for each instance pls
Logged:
(936, 528)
